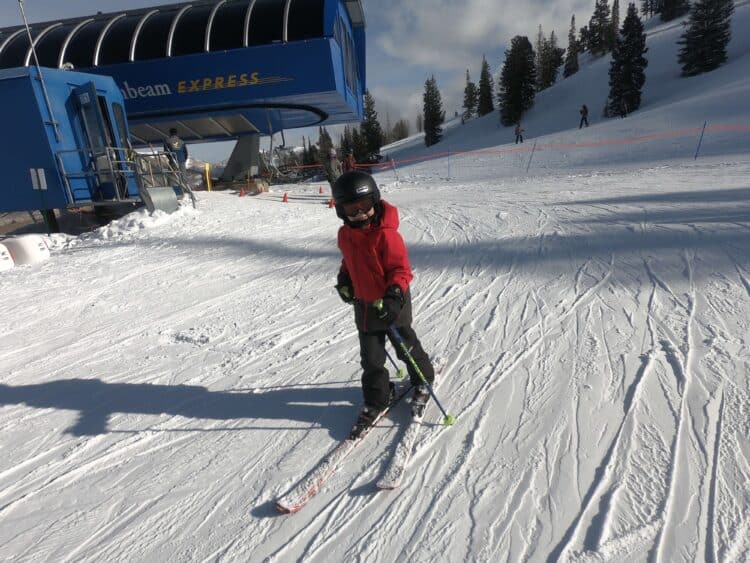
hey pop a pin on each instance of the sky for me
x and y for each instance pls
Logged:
(407, 42)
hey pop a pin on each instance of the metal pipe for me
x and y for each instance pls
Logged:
(137, 33)
(58, 137)
(102, 35)
(29, 53)
(248, 15)
(210, 24)
(10, 38)
(69, 38)
(285, 28)
(173, 28)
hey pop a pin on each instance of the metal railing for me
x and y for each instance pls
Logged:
(116, 166)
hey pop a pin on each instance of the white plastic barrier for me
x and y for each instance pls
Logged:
(27, 249)
(6, 260)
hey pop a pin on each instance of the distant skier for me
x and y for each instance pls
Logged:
(332, 166)
(584, 111)
(375, 266)
(177, 150)
(519, 133)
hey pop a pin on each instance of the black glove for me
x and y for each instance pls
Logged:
(345, 292)
(389, 307)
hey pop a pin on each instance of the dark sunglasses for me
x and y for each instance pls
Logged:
(356, 207)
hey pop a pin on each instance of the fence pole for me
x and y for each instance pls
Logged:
(533, 150)
(393, 165)
(698, 148)
(208, 176)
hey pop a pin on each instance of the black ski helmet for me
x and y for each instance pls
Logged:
(353, 186)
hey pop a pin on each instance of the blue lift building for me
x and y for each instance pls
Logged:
(214, 70)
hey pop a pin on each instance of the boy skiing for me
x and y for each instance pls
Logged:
(374, 277)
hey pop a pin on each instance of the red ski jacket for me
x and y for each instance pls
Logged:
(375, 257)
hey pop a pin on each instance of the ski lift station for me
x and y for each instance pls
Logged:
(77, 95)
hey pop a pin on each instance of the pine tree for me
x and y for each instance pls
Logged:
(627, 69)
(305, 154)
(704, 43)
(433, 113)
(548, 59)
(599, 28)
(541, 54)
(359, 146)
(648, 8)
(420, 123)
(371, 130)
(325, 143)
(400, 130)
(517, 81)
(556, 58)
(583, 39)
(486, 86)
(312, 152)
(470, 98)
(571, 54)
(672, 9)
(346, 141)
(614, 26)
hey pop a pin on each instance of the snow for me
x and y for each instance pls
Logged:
(166, 379)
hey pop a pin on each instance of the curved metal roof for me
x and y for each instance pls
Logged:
(173, 29)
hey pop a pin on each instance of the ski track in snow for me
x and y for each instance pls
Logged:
(590, 388)
(165, 379)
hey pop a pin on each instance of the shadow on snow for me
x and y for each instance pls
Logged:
(96, 401)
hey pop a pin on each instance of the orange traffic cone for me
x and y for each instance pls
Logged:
(320, 191)
(330, 204)
(285, 199)
(242, 191)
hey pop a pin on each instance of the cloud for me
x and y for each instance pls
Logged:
(410, 41)
(451, 34)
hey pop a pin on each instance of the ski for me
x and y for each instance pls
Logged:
(394, 472)
(294, 500)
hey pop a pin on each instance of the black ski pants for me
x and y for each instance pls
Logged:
(375, 380)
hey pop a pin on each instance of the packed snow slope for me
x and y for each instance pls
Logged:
(165, 379)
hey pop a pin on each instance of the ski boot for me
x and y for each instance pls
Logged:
(419, 400)
(368, 415)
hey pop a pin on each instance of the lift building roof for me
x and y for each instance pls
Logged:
(214, 69)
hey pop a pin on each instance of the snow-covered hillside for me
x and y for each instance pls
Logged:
(165, 379)
(670, 103)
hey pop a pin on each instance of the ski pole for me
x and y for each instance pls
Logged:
(400, 372)
(700, 140)
(448, 419)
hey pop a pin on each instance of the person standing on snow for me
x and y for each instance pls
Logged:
(177, 149)
(375, 268)
(584, 111)
(519, 133)
(332, 166)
